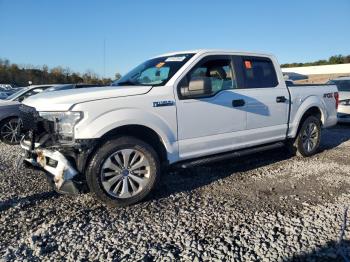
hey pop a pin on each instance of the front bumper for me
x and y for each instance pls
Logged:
(58, 168)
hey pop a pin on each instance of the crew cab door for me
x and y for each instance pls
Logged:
(209, 112)
(266, 99)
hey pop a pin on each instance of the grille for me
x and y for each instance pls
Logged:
(29, 117)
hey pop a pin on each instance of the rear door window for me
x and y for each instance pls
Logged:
(258, 72)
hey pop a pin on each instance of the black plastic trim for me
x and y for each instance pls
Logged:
(228, 155)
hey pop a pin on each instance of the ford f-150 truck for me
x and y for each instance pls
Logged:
(179, 109)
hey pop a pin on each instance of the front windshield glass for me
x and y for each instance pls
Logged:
(343, 85)
(154, 72)
(16, 94)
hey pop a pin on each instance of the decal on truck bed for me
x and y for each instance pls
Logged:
(328, 95)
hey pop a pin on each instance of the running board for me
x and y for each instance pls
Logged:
(235, 154)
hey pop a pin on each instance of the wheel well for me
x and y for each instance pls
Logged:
(143, 133)
(312, 111)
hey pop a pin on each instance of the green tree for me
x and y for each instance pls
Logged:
(21, 74)
(336, 59)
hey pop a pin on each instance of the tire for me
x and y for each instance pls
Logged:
(308, 139)
(10, 131)
(117, 184)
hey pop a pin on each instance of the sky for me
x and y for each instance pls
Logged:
(109, 36)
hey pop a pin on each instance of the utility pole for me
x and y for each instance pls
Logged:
(104, 58)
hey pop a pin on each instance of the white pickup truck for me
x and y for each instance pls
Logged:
(182, 109)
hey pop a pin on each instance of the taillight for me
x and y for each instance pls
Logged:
(336, 96)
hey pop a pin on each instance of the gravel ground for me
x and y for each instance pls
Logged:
(266, 207)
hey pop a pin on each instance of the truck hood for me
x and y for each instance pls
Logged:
(64, 100)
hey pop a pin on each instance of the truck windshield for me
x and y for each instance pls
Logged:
(154, 72)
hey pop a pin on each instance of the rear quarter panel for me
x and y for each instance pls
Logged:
(306, 97)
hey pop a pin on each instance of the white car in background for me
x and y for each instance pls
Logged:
(343, 84)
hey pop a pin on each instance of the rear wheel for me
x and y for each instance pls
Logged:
(123, 171)
(10, 131)
(308, 139)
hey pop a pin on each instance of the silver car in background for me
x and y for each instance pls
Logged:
(4, 93)
(343, 84)
(9, 109)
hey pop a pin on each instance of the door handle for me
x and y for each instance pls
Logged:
(238, 103)
(281, 99)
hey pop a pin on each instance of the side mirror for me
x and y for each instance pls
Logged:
(197, 86)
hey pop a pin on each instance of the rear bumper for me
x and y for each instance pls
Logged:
(58, 168)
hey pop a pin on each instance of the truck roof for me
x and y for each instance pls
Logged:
(223, 51)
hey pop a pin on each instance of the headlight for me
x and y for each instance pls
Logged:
(345, 102)
(64, 123)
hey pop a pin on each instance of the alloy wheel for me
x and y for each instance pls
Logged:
(11, 131)
(310, 137)
(125, 173)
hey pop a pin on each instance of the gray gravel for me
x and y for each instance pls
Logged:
(266, 207)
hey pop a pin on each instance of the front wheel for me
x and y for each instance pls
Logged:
(308, 139)
(123, 171)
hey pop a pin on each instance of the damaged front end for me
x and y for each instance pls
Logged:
(62, 159)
